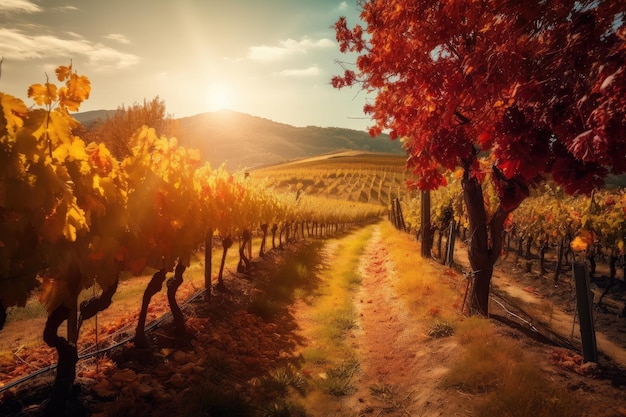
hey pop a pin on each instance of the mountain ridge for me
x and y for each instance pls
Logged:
(240, 140)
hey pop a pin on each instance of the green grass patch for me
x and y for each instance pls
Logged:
(337, 381)
(315, 356)
(32, 310)
(441, 329)
(334, 317)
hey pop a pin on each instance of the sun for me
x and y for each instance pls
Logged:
(221, 96)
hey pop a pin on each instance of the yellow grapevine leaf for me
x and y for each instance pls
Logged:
(85, 168)
(61, 152)
(63, 72)
(77, 150)
(578, 244)
(60, 126)
(77, 90)
(13, 110)
(75, 221)
(96, 184)
(43, 94)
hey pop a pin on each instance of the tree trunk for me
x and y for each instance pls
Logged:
(485, 243)
(559, 258)
(542, 256)
(274, 229)
(440, 253)
(427, 232)
(529, 244)
(285, 232)
(94, 305)
(227, 242)
(264, 228)
(244, 262)
(612, 273)
(66, 367)
(154, 286)
(208, 263)
(3, 314)
(172, 286)
(591, 257)
(249, 246)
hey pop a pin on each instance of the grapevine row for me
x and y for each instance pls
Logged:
(594, 226)
(73, 216)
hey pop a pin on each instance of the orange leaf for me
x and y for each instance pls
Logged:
(63, 72)
(14, 111)
(43, 94)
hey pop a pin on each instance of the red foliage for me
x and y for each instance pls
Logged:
(539, 86)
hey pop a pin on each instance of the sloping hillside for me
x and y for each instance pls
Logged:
(242, 140)
(88, 118)
(356, 176)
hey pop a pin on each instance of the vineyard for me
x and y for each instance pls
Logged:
(136, 278)
(76, 219)
(548, 222)
(101, 233)
(359, 177)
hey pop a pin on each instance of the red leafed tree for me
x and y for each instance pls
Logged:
(535, 88)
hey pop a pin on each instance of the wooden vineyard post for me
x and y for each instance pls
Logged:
(392, 213)
(584, 302)
(400, 216)
(451, 242)
(427, 233)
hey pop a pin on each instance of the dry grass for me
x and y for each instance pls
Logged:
(525, 391)
(430, 290)
(511, 383)
(505, 380)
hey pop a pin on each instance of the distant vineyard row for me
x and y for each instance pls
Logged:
(369, 178)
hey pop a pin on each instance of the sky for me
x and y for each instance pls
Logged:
(267, 58)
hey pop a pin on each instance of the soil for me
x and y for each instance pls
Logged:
(400, 365)
(400, 361)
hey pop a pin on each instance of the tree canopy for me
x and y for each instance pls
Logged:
(540, 85)
(517, 91)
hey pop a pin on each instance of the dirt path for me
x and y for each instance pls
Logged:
(255, 361)
(401, 365)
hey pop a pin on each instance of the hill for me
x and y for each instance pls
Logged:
(364, 177)
(242, 140)
(88, 118)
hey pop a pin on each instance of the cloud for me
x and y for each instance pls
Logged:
(342, 6)
(19, 6)
(118, 38)
(301, 73)
(287, 47)
(65, 9)
(21, 46)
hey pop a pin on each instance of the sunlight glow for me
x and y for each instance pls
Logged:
(221, 96)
